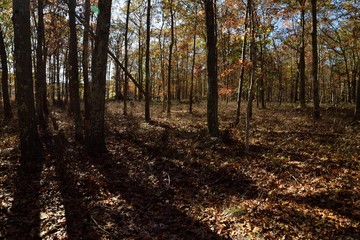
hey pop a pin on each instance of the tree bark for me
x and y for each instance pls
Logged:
(212, 95)
(74, 73)
(147, 64)
(316, 98)
(252, 76)
(126, 60)
(85, 65)
(5, 79)
(40, 84)
(302, 56)
(96, 139)
(30, 145)
(243, 58)
(168, 109)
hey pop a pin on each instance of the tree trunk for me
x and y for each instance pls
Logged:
(74, 73)
(96, 139)
(40, 84)
(212, 101)
(30, 144)
(193, 65)
(168, 109)
(242, 71)
(316, 98)
(126, 60)
(5, 79)
(85, 65)
(147, 64)
(302, 56)
(252, 76)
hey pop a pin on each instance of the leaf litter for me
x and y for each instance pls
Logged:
(169, 180)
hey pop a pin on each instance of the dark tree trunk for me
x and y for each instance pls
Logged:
(302, 56)
(74, 73)
(147, 64)
(316, 98)
(168, 109)
(30, 144)
(85, 65)
(5, 79)
(212, 101)
(96, 139)
(40, 84)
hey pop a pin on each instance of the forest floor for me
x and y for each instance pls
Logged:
(170, 180)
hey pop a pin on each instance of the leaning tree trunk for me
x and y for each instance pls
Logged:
(243, 56)
(5, 79)
(212, 101)
(74, 73)
(30, 145)
(96, 140)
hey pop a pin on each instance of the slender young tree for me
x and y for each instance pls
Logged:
(316, 98)
(126, 60)
(212, 95)
(85, 65)
(243, 58)
(147, 64)
(30, 144)
(74, 73)
(171, 46)
(302, 54)
(252, 76)
(5, 79)
(95, 142)
(40, 84)
(191, 97)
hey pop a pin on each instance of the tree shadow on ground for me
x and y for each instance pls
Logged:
(24, 219)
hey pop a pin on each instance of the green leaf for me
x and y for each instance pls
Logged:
(95, 9)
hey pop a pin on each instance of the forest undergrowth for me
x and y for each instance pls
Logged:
(170, 180)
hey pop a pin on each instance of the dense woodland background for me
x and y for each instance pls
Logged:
(171, 119)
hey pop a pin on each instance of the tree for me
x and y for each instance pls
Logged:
(193, 63)
(243, 57)
(74, 73)
(5, 78)
(252, 74)
(316, 98)
(147, 64)
(302, 55)
(95, 142)
(30, 145)
(212, 95)
(168, 109)
(85, 65)
(126, 83)
(40, 83)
